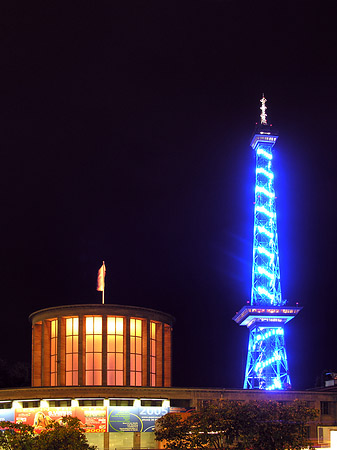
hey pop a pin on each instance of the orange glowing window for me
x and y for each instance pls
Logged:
(53, 352)
(136, 352)
(93, 350)
(115, 351)
(153, 353)
(72, 351)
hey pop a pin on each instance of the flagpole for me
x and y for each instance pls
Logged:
(101, 280)
(103, 283)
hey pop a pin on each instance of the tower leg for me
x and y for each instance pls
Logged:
(267, 365)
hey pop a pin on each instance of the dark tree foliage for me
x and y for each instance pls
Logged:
(16, 436)
(65, 435)
(260, 425)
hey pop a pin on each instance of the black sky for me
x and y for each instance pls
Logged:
(125, 131)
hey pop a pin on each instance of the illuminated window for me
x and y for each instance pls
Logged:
(325, 408)
(31, 404)
(157, 403)
(153, 351)
(135, 352)
(5, 405)
(91, 402)
(72, 351)
(53, 352)
(121, 402)
(115, 351)
(59, 403)
(93, 350)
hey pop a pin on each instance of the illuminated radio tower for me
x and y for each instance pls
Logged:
(267, 365)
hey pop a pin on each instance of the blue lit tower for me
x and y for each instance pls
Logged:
(267, 365)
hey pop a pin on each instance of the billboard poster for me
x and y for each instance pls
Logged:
(39, 418)
(93, 418)
(130, 418)
(7, 415)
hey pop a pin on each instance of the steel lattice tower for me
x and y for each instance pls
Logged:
(267, 365)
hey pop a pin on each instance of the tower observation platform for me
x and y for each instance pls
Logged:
(265, 317)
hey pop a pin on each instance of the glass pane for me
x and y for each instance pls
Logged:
(119, 325)
(98, 361)
(111, 378)
(153, 330)
(119, 361)
(97, 342)
(89, 361)
(69, 344)
(89, 378)
(111, 343)
(132, 378)
(119, 378)
(52, 364)
(132, 345)
(89, 344)
(138, 345)
(111, 325)
(111, 361)
(75, 325)
(89, 325)
(69, 327)
(75, 361)
(75, 378)
(132, 362)
(54, 328)
(138, 328)
(138, 362)
(69, 362)
(97, 378)
(138, 379)
(75, 344)
(98, 325)
(132, 327)
(69, 379)
(153, 348)
(119, 344)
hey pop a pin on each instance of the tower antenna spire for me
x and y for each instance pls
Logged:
(265, 317)
(263, 108)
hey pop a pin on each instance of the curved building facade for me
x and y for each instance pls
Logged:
(101, 345)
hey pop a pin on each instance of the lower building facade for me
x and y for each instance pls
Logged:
(110, 366)
(123, 418)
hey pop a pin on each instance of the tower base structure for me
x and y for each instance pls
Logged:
(267, 365)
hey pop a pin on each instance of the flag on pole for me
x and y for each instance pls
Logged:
(101, 278)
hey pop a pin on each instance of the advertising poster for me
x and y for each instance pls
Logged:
(128, 418)
(94, 419)
(39, 418)
(7, 415)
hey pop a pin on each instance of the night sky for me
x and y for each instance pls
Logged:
(125, 136)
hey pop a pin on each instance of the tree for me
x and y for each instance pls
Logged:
(67, 434)
(279, 426)
(16, 436)
(175, 429)
(215, 426)
(260, 425)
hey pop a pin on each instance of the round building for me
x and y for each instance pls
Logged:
(101, 345)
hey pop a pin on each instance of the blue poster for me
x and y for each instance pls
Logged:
(130, 418)
(7, 414)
